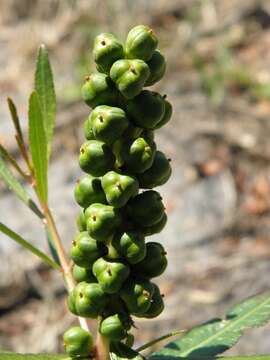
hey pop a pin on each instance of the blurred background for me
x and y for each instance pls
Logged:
(218, 233)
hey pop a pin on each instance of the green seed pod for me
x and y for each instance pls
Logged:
(80, 221)
(108, 123)
(83, 274)
(137, 295)
(107, 49)
(129, 76)
(156, 228)
(86, 250)
(119, 188)
(110, 274)
(157, 304)
(88, 130)
(88, 190)
(98, 89)
(138, 155)
(154, 263)
(146, 209)
(167, 115)
(141, 43)
(96, 158)
(78, 342)
(146, 109)
(157, 66)
(90, 299)
(113, 328)
(102, 221)
(131, 245)
(71, 302)
(158, 174)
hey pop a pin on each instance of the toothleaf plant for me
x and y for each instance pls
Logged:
(111, 267)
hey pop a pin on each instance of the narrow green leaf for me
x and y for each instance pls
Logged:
(7, 156)
(52, 246)
(15, 118)
(16, 237)
(44, 86)
(161, 338)
(38, 147)
(15, 186)
(219, 335)
(19, 134)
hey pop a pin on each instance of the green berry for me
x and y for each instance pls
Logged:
(107, 49)
(167, 115)
(88, 130)
(146, 209)
(80, 221)
(83, 274)
(157, 66)
(131, 245)
(137, 295)
(113, 328)
(138, 155)
(102, 221)
(86, 250)
(156, 228)
(88, 190)
(108, 123)
(110, 274)
(78, 342)
(129, 76)
(71, 302)
(158, 174)
(99, 89)
(154, 263)
(141, 43)
(147, 109)
(157, 304)
(119, 188)
(90, 299)
(96, 158)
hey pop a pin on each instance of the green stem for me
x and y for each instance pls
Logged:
(59, 248)
(102, 348)
(66, 268)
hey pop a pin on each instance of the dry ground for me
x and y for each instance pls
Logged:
(218, 80)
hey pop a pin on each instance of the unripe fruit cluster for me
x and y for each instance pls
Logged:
(113, 263)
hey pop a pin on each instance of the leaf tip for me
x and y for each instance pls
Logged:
(42, 48)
